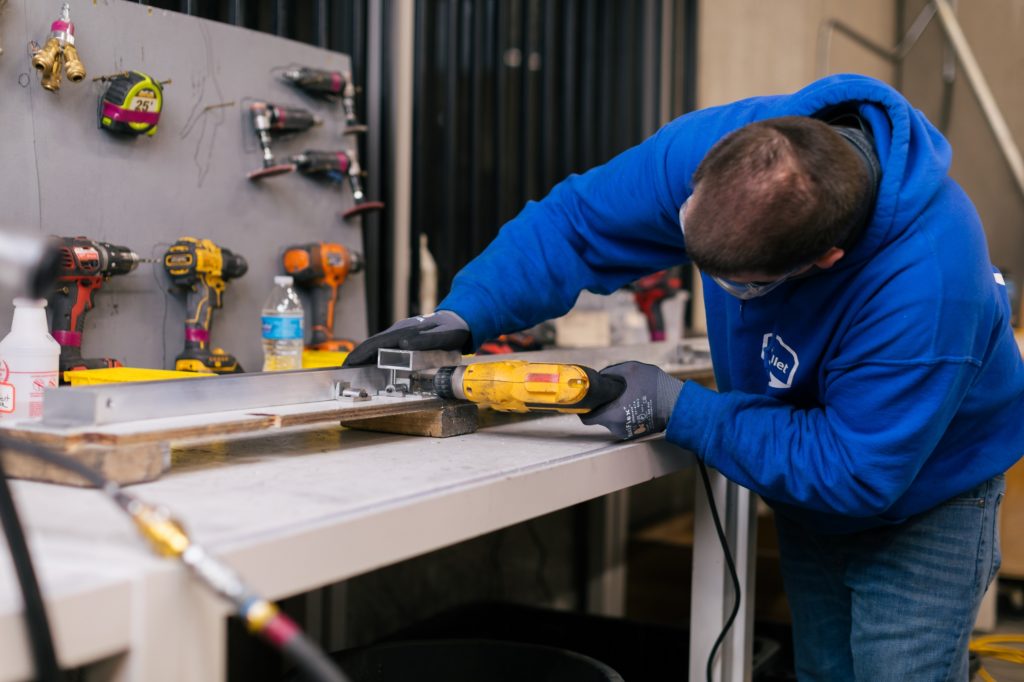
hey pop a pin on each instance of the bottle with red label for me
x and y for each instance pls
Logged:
(29, 358)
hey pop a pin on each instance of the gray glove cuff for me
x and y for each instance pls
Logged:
(669, 389)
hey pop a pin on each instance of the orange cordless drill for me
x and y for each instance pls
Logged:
(321, 268)
(84, 265)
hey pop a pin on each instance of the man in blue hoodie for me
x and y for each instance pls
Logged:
(869, 386)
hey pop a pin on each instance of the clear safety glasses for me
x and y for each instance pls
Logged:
(742, 290)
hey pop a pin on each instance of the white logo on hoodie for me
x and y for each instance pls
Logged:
(780, 361)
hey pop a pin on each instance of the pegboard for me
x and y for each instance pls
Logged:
(60, 174)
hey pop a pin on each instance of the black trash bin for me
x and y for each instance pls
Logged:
(470, 660)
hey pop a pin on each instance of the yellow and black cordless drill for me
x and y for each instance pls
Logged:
(202, 268)
(521, 386)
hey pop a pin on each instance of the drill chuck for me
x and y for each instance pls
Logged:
(443, 383)
(234, 265)
(122, 260)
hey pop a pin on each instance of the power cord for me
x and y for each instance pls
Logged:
(994, 646)
(167, 538)
(728, 562)
(40, 639)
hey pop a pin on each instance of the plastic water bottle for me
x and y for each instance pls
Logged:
(282, 327)
(29, 360)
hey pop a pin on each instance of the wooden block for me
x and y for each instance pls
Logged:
(451, 419)
(124, 464)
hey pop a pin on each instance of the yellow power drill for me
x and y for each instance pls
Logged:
(202, 268)
(521, 386)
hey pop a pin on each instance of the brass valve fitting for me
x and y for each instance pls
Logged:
(73, 65)
(44, 58)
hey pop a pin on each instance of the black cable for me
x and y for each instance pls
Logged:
(299, 648)
(312, 660)
(39, 635)
(732, 571)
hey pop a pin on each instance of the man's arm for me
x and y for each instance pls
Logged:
(855, 456)
(595, 231)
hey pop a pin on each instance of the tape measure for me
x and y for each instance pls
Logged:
(131, 104)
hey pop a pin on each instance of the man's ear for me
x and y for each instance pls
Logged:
(831, 257)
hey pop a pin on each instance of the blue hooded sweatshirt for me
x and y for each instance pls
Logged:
(852, 398)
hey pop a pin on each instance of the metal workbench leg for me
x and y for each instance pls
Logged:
(178, 631)
(711, 590)
(609, 535)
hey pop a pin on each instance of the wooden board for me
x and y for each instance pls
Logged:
(140, 451)
(451, 419)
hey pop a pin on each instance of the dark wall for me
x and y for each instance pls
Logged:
(510, 97)
(514, 95)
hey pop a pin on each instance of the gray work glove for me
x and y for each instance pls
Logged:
(645, 405)
(443, 330)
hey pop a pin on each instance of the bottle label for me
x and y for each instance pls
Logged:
(40, 382)
(282, 328)
(6, 398)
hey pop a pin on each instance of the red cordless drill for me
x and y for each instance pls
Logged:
(269, 119)
(649, 293)
(336, 167)
(329, 85)
(321, 268)
(84, 265)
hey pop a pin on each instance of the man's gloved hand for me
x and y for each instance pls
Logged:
(643, 408)
(443, 330)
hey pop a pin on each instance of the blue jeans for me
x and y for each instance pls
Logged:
(892, 603)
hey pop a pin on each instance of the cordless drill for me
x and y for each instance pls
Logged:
(269, 119)
(337, 166)
(202, 268)
(521, 386)
(649, 292)
(329, 85)
(84, 266)
(321, 268)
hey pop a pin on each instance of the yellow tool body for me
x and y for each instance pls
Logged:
(521, 386)
(202, 269)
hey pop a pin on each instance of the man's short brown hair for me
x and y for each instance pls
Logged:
(773, 196)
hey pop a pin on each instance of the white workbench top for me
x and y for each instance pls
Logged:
(340, 503)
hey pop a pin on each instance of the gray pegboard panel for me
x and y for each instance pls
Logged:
(60, 174)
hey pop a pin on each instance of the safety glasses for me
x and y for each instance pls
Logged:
(742, 290)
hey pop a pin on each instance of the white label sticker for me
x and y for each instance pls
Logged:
(6, 398)
(144, 101)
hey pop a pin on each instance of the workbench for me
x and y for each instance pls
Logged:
(310, 508)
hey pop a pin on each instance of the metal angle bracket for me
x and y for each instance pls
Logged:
(401, 364)
(119, 403)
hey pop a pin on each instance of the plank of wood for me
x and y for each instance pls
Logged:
(140, 451)
(123, 464)
(452, 419)
(335, 411)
